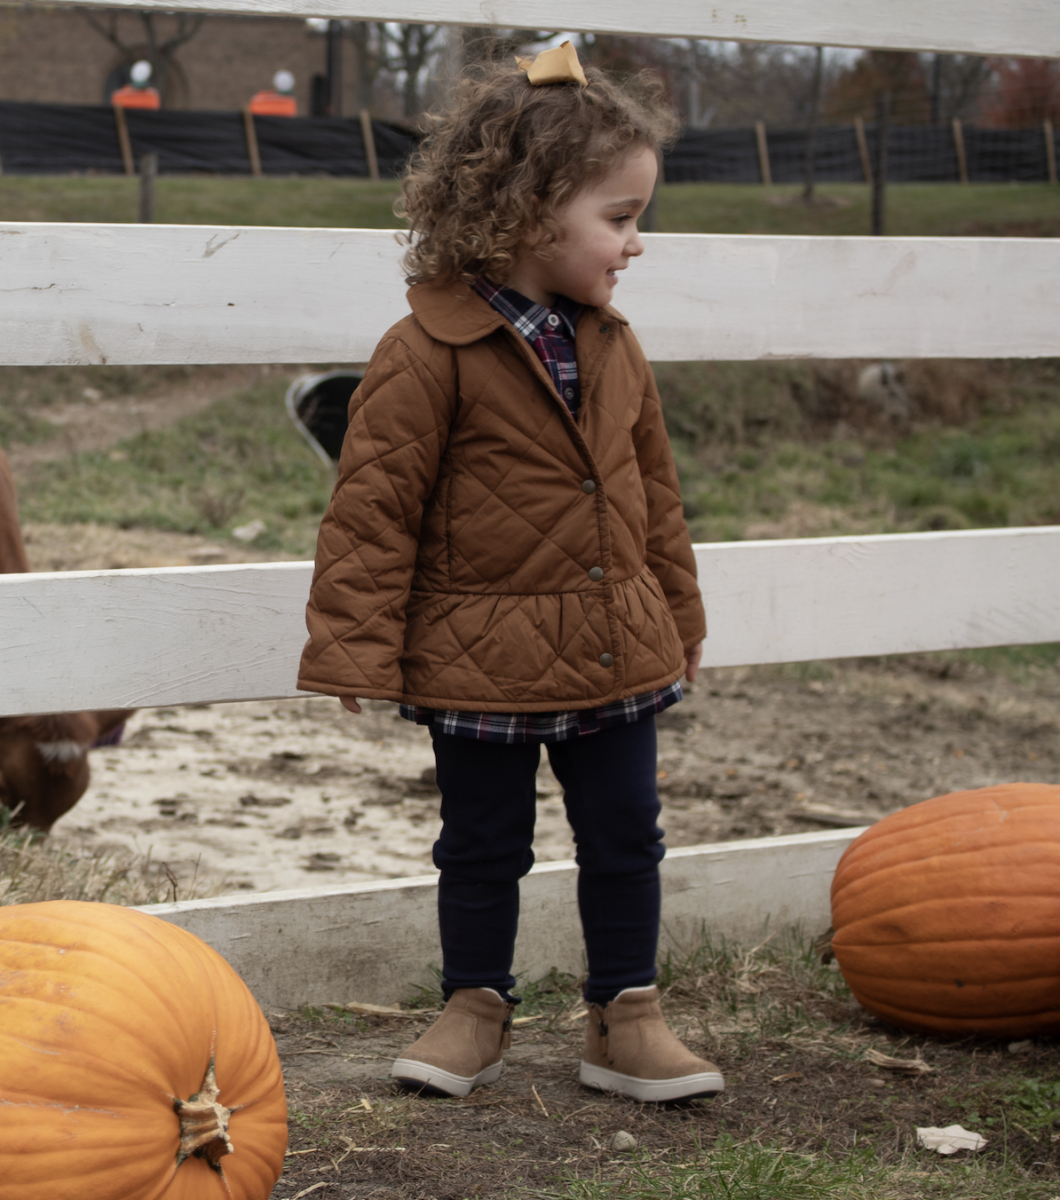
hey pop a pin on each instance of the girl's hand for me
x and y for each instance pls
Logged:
(692, 658)
(350, 704)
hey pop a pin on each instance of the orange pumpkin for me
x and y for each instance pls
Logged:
(947, 914)
(134, 1063)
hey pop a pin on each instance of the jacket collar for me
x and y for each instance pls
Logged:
(457, 315)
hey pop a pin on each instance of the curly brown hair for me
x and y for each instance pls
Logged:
(507, 156)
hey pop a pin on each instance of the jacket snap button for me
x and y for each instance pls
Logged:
(606, 660)
(588, 487)
(596, 574)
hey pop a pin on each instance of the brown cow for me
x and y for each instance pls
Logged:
(43, 759)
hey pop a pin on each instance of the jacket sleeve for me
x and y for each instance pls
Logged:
(366, 549)
(670, 554)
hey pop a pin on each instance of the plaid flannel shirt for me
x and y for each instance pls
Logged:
(551, 332)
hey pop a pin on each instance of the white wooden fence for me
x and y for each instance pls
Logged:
(1026, 27)
(158, 294)
(185, 635)
(196, 294)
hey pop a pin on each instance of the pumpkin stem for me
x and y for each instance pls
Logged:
(204, 1124)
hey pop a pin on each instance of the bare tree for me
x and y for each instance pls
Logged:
(810, 172)
(160, 51)
(410, 49)
(748, 82)
(370, 50)
(698, 117)
(958, 82)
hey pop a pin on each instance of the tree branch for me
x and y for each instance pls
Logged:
(111, 34)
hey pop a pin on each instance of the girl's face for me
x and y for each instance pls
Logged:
(598, 237)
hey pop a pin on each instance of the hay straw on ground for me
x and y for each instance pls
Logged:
(35, 868)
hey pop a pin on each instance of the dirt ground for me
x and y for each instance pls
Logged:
(793, 1047)
(299, 793)
(280, 794)
(86, 418)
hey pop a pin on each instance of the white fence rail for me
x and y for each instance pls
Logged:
(183, 635)
(374, 941)
(196, 294)
(90, 294)
(1028, 27)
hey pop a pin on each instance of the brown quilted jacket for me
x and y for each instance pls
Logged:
(484, 552)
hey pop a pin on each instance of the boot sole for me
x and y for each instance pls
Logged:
(682, 1087)
(421, 1075)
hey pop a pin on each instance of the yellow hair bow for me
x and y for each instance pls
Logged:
(559, 65)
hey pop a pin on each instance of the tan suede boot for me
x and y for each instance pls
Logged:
(630, 1049)
(463, 1048)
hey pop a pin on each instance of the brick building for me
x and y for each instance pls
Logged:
(52, 55)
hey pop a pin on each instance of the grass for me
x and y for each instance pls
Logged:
(239, 460)
(914, 210)
(805, 1113)
(763, 450)
(202, 200)
(35, 868)
(1021, 664)
(774, 450)
(27, 392)
(733, 1170)
(730, 1170)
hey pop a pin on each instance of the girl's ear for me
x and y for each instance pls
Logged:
(534, 232)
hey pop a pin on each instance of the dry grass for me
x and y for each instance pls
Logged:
(809, 1110)
(35, 868)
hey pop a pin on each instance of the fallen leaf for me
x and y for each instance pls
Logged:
(915, 1066)
(790, 1075)
(949, 1140)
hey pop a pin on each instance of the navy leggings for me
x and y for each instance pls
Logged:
(488, 811)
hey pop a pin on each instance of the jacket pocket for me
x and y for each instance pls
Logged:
(507, 653)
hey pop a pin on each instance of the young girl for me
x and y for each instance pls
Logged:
(505, 554)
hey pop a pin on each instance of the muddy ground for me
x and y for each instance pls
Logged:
(299, 793)
(793, 1047)
(286, 794)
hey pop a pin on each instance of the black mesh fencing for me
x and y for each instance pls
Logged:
(48, 139)
(915, 154)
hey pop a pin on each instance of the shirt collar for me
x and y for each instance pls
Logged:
(529, 318)
(456, 315)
